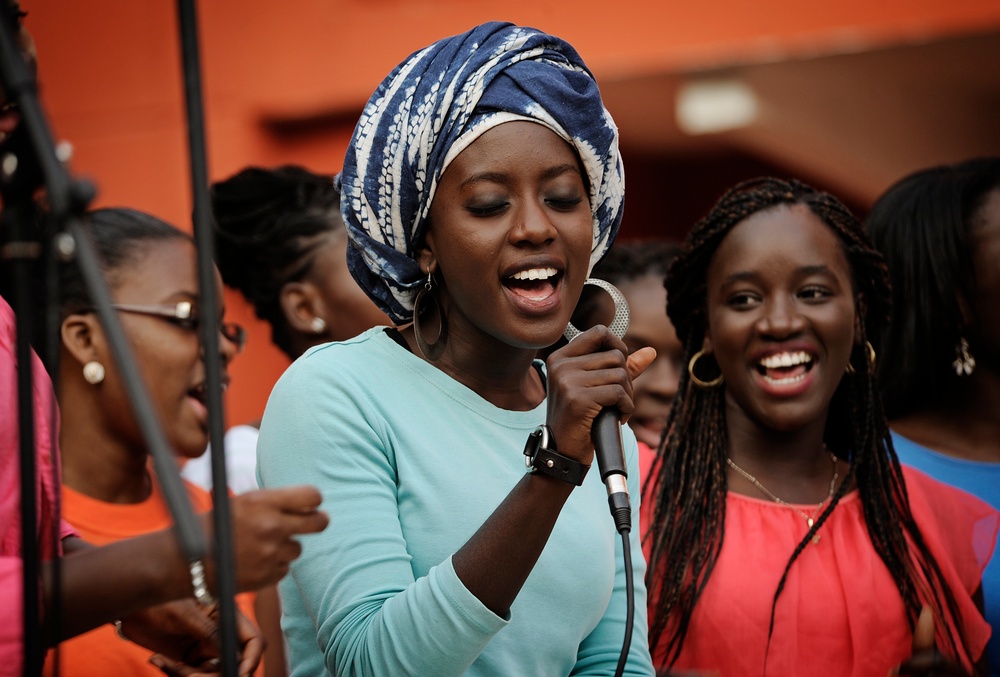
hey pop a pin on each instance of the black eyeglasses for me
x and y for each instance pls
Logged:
(184, 315)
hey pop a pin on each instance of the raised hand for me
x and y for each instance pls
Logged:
(926, 660)
(265, 523)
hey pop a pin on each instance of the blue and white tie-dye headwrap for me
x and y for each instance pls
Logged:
(435, 104)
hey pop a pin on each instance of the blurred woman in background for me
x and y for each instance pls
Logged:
(939, 231)
(281, 242)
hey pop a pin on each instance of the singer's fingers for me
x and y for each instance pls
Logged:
(597, 338)
(639, 360)
(594, 350)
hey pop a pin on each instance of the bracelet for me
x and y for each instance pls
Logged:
(540, 456)
(200, 585)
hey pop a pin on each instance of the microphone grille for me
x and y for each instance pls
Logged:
(619, 325)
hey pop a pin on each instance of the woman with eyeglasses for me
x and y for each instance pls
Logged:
(109, 490)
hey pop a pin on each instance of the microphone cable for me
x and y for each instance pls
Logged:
(629, 596)
(606, 434)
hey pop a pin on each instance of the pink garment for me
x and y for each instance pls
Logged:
(46, 432)
(840, 612)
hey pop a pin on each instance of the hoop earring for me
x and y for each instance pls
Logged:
(965, 363)
(93, 372)
(697, 381)
(430, 351)
(871, 359)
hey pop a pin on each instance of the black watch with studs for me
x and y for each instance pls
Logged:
(540, 456)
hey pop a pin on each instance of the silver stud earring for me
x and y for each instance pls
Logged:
(965, 363)
(318, 325)
(93, 372)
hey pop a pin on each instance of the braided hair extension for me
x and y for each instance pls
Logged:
(690, 498)
(267, 227)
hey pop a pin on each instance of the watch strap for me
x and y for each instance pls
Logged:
(542, 458)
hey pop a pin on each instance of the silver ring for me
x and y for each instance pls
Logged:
(619, 325)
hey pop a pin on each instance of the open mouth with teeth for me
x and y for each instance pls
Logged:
(534, 284)
(785, 368)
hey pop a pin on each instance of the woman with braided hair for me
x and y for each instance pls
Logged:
(786, 539)
(281, 242)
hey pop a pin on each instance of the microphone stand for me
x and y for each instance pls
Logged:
(203, 232)
(23, 170)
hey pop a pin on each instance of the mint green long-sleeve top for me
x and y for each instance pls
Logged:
(410, 464)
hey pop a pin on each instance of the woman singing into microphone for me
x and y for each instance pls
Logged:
(482, 184)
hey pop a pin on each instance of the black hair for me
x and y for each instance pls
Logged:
(118, 233)
(624, 262)
(690, 474)
(267, 221)
(635, 258)
(922, 226)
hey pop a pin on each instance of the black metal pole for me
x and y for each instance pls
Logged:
(203, 234)
(34, 651)
(29, 153)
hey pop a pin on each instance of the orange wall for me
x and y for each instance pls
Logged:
(110, 75)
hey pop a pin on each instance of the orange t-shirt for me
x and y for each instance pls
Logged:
(100, 652)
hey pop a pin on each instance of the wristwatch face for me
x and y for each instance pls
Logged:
(536, 440)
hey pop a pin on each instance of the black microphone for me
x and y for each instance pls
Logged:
(606, 431)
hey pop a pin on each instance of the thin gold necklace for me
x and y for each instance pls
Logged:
(809, 520)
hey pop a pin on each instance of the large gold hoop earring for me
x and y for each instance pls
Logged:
(430, 351)
(871, 358)
(697, 381)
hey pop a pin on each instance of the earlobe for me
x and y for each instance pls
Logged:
(303, 308)
(706, 345)
(427, 261)
(82, 338)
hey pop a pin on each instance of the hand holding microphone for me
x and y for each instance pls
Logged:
(590, 393)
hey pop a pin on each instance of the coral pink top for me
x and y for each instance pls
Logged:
(840, 612)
